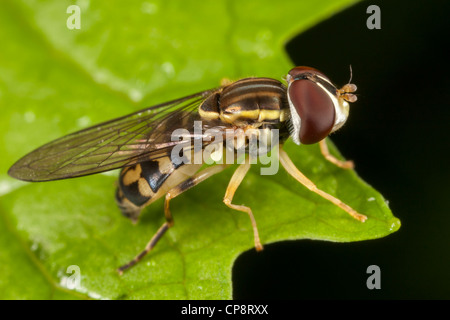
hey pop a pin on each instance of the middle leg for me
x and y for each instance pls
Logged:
(235, 181)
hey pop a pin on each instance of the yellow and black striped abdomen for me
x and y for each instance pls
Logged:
(143, 183)
(246, 101)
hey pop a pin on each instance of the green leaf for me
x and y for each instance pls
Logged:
(126, 56)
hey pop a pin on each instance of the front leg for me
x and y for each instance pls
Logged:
(326, 153)
(287, 163)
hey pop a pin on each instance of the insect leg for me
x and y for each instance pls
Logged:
(187, 184)
(182, 187)
(287, 163)
(341, 164)
(149, 247)
(235, 181)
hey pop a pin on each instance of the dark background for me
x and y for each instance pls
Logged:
(397, 134)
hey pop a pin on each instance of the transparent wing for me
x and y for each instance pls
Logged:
(134, 138)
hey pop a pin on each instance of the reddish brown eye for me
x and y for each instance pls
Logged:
(315, 108)
(298, 72)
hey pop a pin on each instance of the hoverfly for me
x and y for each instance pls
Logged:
(307, 108)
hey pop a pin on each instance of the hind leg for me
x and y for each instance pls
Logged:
(176, 191)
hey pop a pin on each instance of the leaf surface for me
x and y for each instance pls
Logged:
(54, 81)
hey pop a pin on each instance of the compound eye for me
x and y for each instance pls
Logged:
(315, 109)
(304, 72)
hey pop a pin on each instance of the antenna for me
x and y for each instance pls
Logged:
(351, 75)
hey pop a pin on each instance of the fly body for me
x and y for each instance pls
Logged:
(155, 162)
